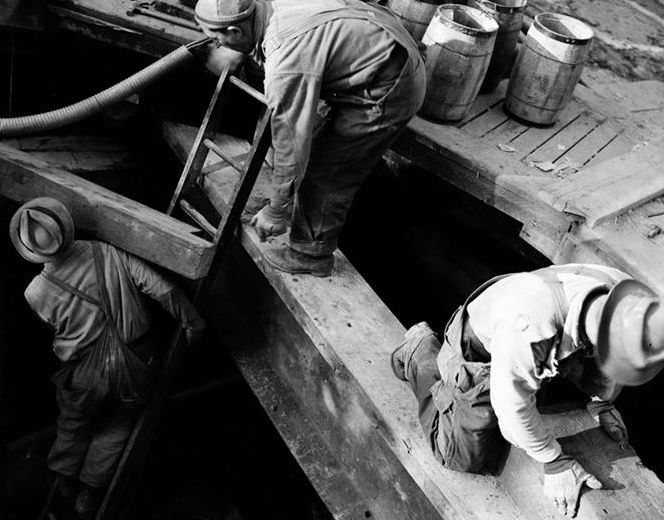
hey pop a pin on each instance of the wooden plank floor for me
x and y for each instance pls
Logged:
(579, 138)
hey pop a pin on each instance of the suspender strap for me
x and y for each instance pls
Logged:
(105, 300)
(475, 294)
(71, 289)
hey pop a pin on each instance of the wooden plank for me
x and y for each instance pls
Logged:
(505, 133)
(488, 121)
(107, 21)
(590, 145)
(483, 103)
(610, 188)
(536, 136)
(108, 216)
(68, 143)
(567, 138)
(88, 162)
(622, 144)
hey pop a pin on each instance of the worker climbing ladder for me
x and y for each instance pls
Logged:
(219, 227)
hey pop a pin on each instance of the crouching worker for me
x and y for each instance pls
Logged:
(90, 294)
(591, 324)
(358, 59)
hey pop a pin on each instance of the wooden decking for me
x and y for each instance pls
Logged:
(540, 176)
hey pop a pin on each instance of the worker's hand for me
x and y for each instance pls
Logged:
(564, 487)
(612, 423)
(219, 57)
(194, 332)
(609, 418)
(270, 223)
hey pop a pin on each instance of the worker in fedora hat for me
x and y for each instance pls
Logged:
(591, 324)
(356, 59)
(90, 293)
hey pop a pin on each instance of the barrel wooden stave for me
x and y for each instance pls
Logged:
(414, 15)
(509, 16)
(456, 63)
(544, 77)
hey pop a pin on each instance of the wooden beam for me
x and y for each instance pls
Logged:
(328, 341)
(123, 222)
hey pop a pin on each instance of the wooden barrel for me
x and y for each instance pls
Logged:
(547, 68)
(459, 42)
(414, 15)
(509, 16)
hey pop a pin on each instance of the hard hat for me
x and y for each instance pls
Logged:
(41, 229)
(630, 343)
(218, 14)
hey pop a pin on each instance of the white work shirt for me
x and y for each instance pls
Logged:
(528, 328)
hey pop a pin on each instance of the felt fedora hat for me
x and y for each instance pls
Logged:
(218, 14)
(41, 229)
(626, 350)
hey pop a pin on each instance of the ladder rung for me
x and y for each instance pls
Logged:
(258, 96)
(198, 218)
(215, 149)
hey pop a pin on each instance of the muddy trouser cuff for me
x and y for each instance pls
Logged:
(313, 248)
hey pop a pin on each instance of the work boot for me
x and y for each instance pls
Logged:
(87, 502)
(404, 354)
(62, 505)
(290, 261)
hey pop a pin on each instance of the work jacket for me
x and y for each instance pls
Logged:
(529, 323)
(76, 322)
(332, 50)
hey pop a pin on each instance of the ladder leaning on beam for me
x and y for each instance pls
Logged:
(187, 193)
(219, 228)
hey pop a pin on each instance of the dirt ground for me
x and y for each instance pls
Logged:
(629, 34)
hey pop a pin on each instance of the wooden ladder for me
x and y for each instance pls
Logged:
(190, 198)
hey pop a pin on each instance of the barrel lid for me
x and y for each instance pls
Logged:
(563, 28)
(467, 20)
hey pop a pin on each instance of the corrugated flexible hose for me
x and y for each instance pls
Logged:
(37, 123)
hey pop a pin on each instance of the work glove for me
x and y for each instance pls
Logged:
(563, 480)
(609, 418)
(270, 221)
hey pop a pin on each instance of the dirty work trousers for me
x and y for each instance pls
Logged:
(91, 432)
(454, 408)
(360, 128)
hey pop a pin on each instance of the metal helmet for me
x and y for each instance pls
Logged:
(218, 14)
(630, 341)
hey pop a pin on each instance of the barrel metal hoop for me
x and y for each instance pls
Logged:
(479, 33)
(502, 8)
(557, 36)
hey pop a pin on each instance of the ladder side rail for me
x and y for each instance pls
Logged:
(198, 153)
(254, 162)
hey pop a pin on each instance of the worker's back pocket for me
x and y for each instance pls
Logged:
(468, 438)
